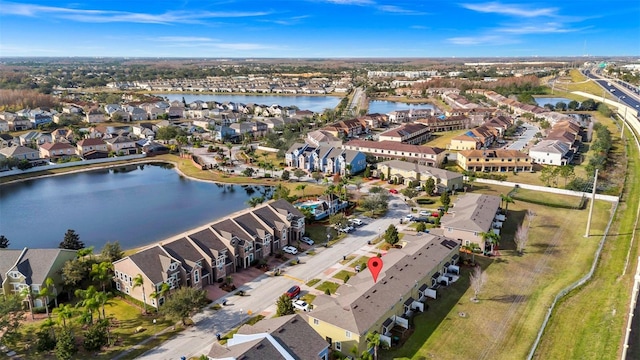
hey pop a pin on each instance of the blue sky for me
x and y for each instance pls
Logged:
(319, 28)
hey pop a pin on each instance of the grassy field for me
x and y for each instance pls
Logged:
(602, 304)
(127, 318)
(443, 139)
(519, 291)
(332, 286)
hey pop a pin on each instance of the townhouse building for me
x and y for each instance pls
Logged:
(406, 173)
(470, 216)
(325, 159)
(494, 161)
(551, 152)
(414, 134)
(425, 155)
(207, 255)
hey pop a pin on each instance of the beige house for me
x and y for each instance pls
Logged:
(28, 269)
(91, 144)
(56, 150)
(464, 142)
(207, 255)
(405, 173)
(494, 160)
(408, 277)
(427, 155)
(470, 216)
(414, 134)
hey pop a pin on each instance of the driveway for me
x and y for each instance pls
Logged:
(263, 291)
(524, 139)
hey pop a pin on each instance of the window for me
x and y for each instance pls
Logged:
(126, 290)
(475, 233)
(338, 345)
(316, 322)
(196, 276)
(14, 274)
(118, 285)
(347, 334)
(173, 266)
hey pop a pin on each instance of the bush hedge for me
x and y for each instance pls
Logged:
(425, 201)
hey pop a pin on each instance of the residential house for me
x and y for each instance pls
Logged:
(92, 148)
(239, 240)
(445, 123)
(494, 160)
(383, 307)
(413, 134)
(285, 337)
(471, 216)
(55, 151)
(407, 173)
(19, 124)
(156, 266)
(464, 142)
(322, 138)
(499, 124)
(21, 153)
(95, 116)
(192, 260)
(374, 121)
(62, 135)
(30, 269)
(6, 140)
(328, 160)
(219, 257)
(324, 206)
(551, 152)
(4, 126)
(143, 130)
(121, 144)
(151, 148)
(34, 138)
(136, 113)
(261, 234)
(427, 155)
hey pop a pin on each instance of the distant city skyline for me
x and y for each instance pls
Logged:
(319, 28)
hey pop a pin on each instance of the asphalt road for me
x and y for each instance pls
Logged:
(525, 138)
(264, 291)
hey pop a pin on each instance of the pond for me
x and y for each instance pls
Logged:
(312, 103)
(135, 205)
(385, 107)
(542, 101)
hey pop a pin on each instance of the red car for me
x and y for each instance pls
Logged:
(293, 292)
(393, 191)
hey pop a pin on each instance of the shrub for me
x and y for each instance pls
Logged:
(327, 292)
(425, 201)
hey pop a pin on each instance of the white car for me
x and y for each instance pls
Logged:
(301, 305)
(290, 250)
(356, 222)
(424, 213)
(307, 240)
(408, 217)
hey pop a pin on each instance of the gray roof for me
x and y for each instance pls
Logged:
(12, 151)
(422, 169)
(251, 225)
(296, 146)
(183, 250)
(8, 258)
(551, 146)
(232, 228)
(150, 260)
(472, 212)
(269, 216)
(34, 264)
(282, 204)
(292, 332)
(362, 302)
(208, 241)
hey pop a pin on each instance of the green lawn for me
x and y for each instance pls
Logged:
(443, 139)
(332, 286)
(342, 275)
(519, 290)
(312, 282)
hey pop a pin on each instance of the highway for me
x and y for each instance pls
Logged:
(625, 93)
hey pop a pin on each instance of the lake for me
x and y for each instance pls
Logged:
(135, 205)
(312, 103)
(542, 101)
(385, 107)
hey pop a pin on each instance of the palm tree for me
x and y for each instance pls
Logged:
(139, 281)
(65, 312)
(84, 252)
(373, 341)
(102, 298)
(507, 200)
(26, 294)
(255, 201)
(156, 295)
(89, 301)
(301, 187)
(101, 273)
(45, 292)
(491, 238)
(229, 146)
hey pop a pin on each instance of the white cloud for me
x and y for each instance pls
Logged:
(352, 2)
(398, 10)
(183, 38)
(510, 9)
(107, 16)
(542, 28)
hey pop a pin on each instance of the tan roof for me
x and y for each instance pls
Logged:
(392, 145)
(472, 212)
(492, 153)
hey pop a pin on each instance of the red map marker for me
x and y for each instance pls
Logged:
(375, 265)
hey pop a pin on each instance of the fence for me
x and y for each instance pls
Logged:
(609, 198)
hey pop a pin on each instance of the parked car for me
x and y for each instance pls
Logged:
(301, 305)
(393, 191)
(424, 213)
(307, 240)
(408, 217)
(290, 250)
(356, 222)
(293, 292)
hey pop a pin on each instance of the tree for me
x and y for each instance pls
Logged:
(156, 295)
(96, 336)
(71, 241)
(166, 133)
(101, 273)
(102, 298)
(478, 279)
(409, 192)
(11, 314)
(112, 252)
(45, 292)
(573, 105)
(255, 201)
(281, 192)
(391, 235)
(301, 187)
(88, 301)
(66, 345)
(339, 220)
(65, 312)
(4, 242)
(604, 110)
(317, 176)
(373, 341)
(491, 238)
(507, 200)
(567, 172)
(184, 302)
(138, 280)
(367, 172)
(445, 199)
(74, 272)
(285, 175)
(430, 186)
(549, 175)
(421, 227)
(298, 173)
(229, 146)
(85, 252)
(521, 237)
(284, 306)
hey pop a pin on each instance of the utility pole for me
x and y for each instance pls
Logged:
(593, 199)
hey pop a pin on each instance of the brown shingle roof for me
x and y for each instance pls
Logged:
(392, 145)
